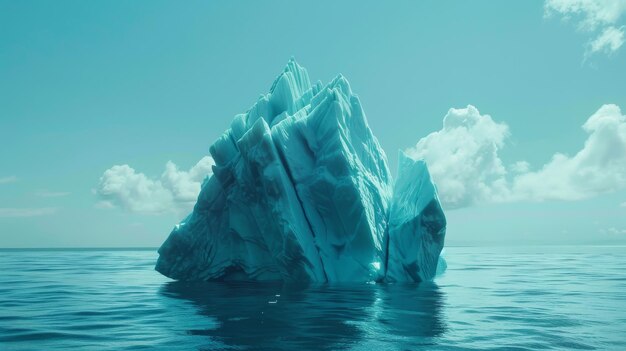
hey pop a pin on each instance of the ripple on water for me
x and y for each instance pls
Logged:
(487, 300)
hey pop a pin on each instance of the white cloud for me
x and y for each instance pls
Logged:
(46, 193)
(615, 231)
(464, 162)
(592, 14)
(598, 18)
(175, 191)
(26, 212)
(463, 157)
(10, 179)
(609, 41)
(520, 167)
(599, 167)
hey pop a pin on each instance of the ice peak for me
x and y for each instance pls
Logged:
(296, 78)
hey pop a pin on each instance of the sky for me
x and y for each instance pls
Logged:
(108, 108)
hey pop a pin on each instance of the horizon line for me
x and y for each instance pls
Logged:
(155, 248)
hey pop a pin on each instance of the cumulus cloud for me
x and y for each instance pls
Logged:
(598, 18)
(26, 212)
(464, 162)
(463, 157)
(10, 179)
(599, 167)
(520, 167)
(175, 191)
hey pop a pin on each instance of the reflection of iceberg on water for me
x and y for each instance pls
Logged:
(301, 191)
(241, 315)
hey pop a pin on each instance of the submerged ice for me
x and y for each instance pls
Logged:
(301, 191)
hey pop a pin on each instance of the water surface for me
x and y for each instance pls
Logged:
(524, 298)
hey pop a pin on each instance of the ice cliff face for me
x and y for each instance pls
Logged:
(417, 225)
(301, 191)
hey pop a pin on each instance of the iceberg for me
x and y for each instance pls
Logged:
(301, 191)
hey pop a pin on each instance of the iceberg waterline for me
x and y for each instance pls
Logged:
(301, 191)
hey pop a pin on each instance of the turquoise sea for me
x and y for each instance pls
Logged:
(494, 298)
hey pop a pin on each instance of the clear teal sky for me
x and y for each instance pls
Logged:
(85, 85)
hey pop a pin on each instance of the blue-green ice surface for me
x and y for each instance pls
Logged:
(301, 191)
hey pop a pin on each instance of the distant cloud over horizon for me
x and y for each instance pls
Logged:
(175, 191)
(26, 212)
(600, 19)
(464, 162)
(9, 179)
(614, 231)
(46, 193)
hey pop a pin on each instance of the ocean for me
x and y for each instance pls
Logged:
(493, 298)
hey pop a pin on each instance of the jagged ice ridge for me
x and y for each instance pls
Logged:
(301, 191)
